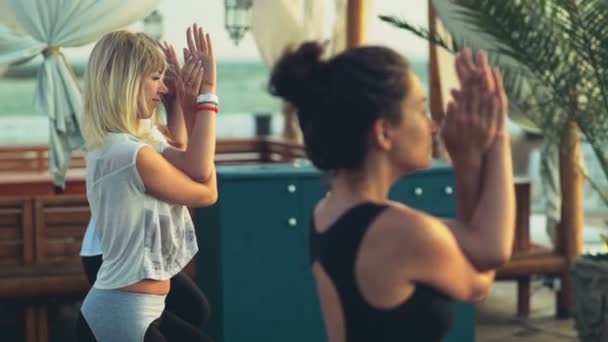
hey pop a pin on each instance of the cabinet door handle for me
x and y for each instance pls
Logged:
(291, 188)
(292, 222)
(418, 191)
(448, 190)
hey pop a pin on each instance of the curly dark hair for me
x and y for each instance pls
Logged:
(338, 100)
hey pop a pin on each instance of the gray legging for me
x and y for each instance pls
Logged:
(185, 300)
(112, 315)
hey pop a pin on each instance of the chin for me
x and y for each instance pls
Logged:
(145, 115)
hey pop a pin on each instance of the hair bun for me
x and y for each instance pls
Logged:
(298, 75)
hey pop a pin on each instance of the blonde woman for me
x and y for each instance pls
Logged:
(138, 196)
(186, 300)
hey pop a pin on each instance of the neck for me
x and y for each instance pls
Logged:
(372, 183)
(142, 124)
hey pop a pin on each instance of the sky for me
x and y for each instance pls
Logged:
(179, 14)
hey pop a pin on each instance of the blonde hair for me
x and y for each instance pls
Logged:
(113, 86)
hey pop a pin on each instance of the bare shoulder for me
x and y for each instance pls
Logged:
(405, 226)
(405, 219)
(147, 155)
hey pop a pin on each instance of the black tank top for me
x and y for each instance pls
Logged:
(425, 316)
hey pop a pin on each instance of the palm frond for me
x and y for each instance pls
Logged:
(553, 53)
(419, 31)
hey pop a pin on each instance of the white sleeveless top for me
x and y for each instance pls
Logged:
(141, 236)
(91, 246)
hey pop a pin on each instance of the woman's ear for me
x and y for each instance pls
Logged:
(380, 134)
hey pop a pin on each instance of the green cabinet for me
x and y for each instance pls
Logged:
(253, 262)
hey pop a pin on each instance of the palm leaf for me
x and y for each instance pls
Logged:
(553, 53)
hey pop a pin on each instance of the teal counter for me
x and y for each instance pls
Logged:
(253, 262)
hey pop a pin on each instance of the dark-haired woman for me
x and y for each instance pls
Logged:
(385, 271)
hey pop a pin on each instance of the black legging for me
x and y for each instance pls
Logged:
(186, 308)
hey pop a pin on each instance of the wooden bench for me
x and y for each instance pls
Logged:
(39, 254)
(529, 259)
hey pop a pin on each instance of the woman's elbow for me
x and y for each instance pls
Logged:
(493, 259)
(202, 175)
(210, 194)
(213, 196)
(482, 286)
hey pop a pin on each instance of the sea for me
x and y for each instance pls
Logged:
(242, 88)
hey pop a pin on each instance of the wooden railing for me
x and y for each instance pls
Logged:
(35, 158)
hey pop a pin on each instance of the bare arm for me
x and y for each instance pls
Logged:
(487, 236)
(197, 77)
(176, 124)
(197, 160)
(481, 162)
(155, 170)
(466, 120)
(429, 254)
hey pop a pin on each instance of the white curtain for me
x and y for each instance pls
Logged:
(32, 27)
(280, 24)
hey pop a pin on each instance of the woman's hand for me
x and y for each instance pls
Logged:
(200, 46)
(476, 114)
(171, 76)
(190, 82)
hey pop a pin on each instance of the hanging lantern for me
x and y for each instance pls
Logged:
(153, 25)
(237, 18)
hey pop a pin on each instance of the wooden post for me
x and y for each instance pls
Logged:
(437, 100)
(570, 241)
(435, 96)
(356, 22)
(434, 77)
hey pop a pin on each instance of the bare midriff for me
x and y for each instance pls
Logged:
(149, 286)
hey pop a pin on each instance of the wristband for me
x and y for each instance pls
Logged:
(207, 107)
(207, 98)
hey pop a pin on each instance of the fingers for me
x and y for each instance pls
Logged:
(465, 103)
(197, 38)
(460, 64)
(187, 54)
(476, 100)
(465, 66)
(190, 40)
(198, 82)
(188, 71)
(500, 88)
(495, 115)
(487, 117)
(209, 46)
(485, 70)
(172, 52)
(501, 99)
(201, 43)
